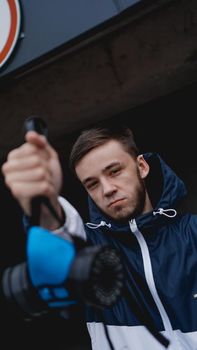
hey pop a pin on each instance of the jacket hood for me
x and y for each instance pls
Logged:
(165, 190)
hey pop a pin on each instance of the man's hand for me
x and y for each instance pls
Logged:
(32, 170)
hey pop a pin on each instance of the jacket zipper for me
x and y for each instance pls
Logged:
(150, 279)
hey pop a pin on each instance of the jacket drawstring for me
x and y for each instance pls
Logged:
(170, 213)
(92, 225)
(165, 212)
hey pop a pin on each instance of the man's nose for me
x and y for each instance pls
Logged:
(108, 187)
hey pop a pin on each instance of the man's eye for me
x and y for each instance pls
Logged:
(115, 171)
(91, 185)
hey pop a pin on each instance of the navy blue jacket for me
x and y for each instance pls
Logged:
(158, 251)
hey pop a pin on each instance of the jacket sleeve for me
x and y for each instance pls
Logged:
(73, 222)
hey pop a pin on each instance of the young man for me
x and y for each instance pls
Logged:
(133, 203)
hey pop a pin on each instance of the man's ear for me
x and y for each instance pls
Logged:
(142, 166)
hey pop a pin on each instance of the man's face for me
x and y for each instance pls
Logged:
(114, 180)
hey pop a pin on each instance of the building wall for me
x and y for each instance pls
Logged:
(143, 73)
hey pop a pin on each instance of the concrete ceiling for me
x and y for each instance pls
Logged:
(140, 60)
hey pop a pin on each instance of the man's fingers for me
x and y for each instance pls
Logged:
(41, 142)
(36, 139)
(28, 190)
(29, 175)
(25, 163)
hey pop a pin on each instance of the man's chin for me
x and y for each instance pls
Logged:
(121, 215)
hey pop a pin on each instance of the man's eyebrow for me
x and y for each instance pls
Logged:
(88, 179)
(111, 165)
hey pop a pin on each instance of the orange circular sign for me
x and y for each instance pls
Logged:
(10, 18)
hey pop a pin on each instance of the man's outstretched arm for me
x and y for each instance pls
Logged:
(33, 170)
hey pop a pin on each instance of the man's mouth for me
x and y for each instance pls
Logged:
(116, 202)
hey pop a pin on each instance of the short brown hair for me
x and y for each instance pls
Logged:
(97, 136)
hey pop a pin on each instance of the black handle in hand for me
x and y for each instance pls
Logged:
(35, 123)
